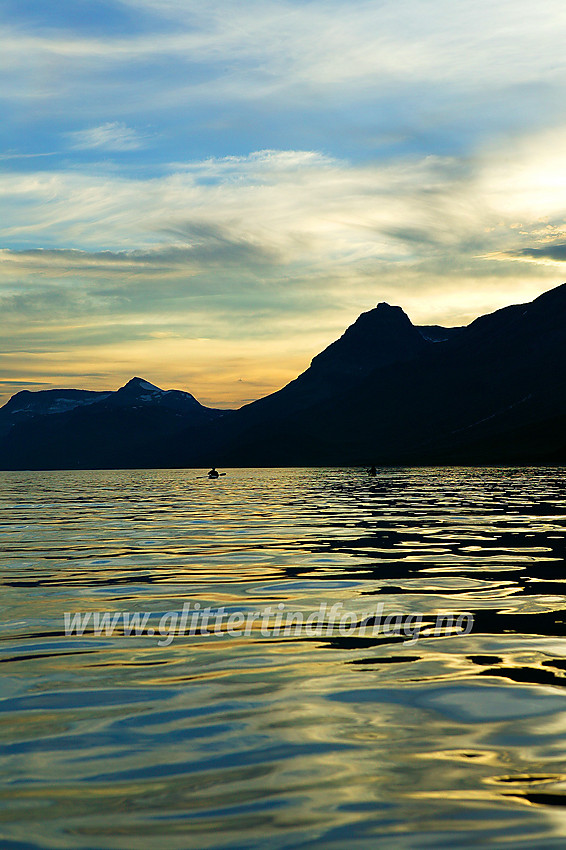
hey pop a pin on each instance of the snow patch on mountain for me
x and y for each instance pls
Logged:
(145, 385)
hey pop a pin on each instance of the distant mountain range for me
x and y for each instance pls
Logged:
(73, 429)
(386, 392)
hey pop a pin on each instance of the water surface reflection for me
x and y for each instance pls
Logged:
(231, 742)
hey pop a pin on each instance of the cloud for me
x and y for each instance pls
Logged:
(395, 38)
(276, 234)
(312, 159)
(279, 248)
(405, 59)
(112, 136)
(7, 156)
(23, 383)
(555, 253)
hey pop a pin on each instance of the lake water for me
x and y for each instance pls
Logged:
(259, 739)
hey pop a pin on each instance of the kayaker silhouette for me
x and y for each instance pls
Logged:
(372, 470)
(213, 473)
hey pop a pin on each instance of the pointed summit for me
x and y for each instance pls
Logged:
(136, 384)
(137, 390)
(379, 337)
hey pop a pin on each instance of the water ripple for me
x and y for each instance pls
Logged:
(258, 741)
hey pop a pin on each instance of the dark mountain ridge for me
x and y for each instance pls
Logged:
(385, 392)
(378, 338)
(105, 429)
(25, 404)
(483, 395)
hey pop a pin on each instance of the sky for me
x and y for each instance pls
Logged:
(206, 195)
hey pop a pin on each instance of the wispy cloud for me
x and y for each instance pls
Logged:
(554, 253)
(263, 230)
(311, 159)
(411, 54)
(329, 42)
(7, 156)
(19, 384)
(112, 136)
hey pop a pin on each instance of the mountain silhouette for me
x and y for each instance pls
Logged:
(378, 338)
(385, 392)
(486, 393)
(52, 429)
(491, 393)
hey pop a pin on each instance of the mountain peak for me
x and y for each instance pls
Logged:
(139, 383)
(377, 337)
(138, 393)
(384, 307)
(383, 312)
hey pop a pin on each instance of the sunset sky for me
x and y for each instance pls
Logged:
(207, 194)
